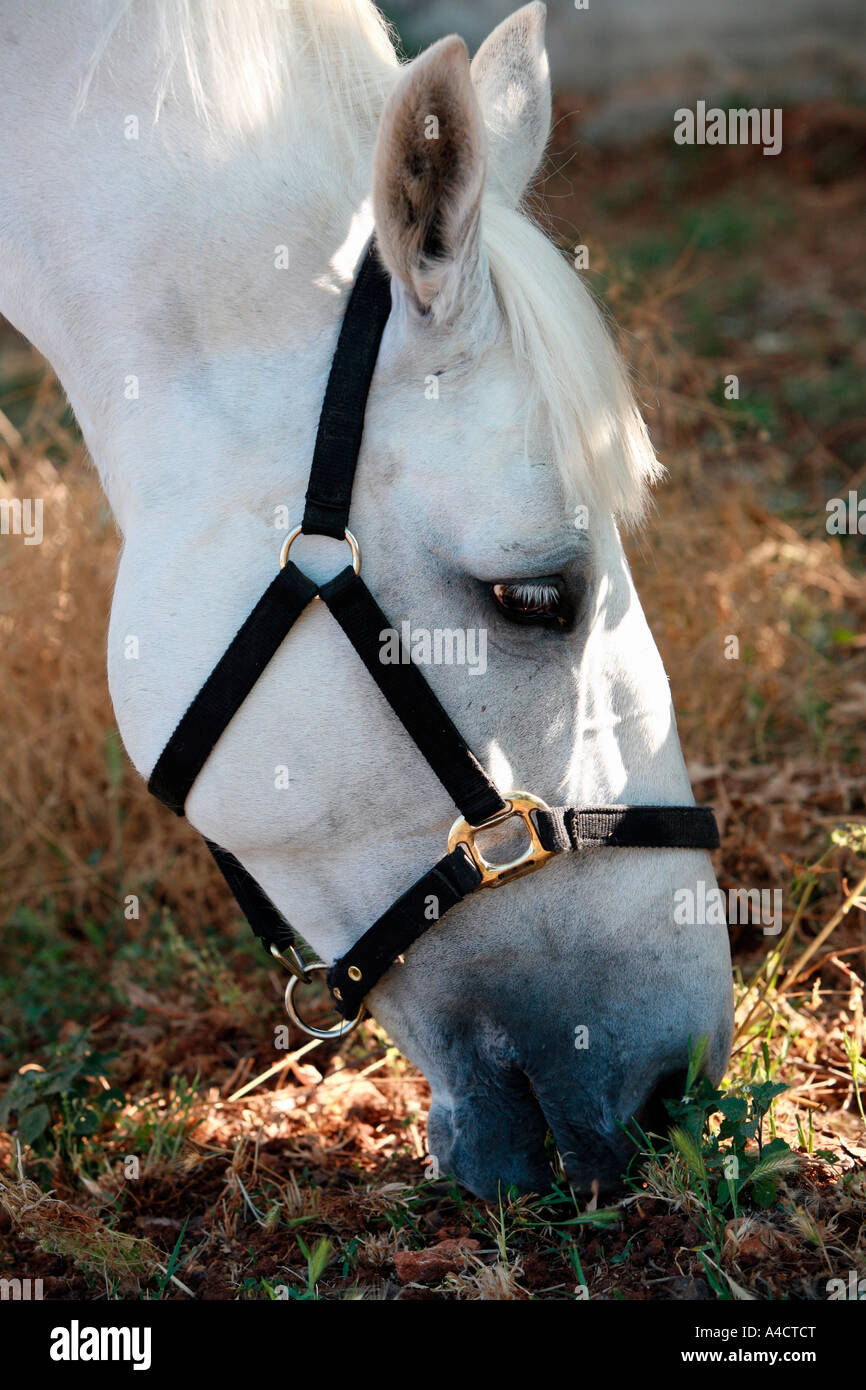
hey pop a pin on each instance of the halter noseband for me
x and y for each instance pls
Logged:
(463, 869)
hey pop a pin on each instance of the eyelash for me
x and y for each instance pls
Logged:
(528, 594)
(538, 603)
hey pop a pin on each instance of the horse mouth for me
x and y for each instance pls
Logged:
(511, 1136)
(493, 1138)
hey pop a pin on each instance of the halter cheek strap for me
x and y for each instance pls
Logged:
(463, 870)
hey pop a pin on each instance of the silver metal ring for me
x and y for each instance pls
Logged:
(344, 1027)
(347, 534)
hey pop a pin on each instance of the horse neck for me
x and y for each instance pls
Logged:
(151, 263)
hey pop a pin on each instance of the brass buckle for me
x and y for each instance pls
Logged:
(533, 857)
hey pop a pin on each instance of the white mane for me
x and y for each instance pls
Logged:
(578, 382)
(258, 68)
(247, 64)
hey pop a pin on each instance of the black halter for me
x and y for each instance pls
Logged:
(551, 830)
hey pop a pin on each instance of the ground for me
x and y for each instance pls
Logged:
(151, 1149)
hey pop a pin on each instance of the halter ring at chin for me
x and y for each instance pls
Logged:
(345, 1025)
(349, 538)
(533, 857)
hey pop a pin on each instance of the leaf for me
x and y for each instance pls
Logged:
(764, 1192)
(25, 1089)
(734, 1108)
(318, 1260)
(13, 1099)
(85, 1124)
(64, 1078)
(112, 1099)
(604, 1217)
(697, 1056)
(33, 1123)
(718, 1288)
(763, 1093)
(172, 1264)
(732, 1129)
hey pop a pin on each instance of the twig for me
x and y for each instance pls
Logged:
(278, 1066)
(842, 911)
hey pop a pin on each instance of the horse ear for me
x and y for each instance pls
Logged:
(428, 173)
(512, 78)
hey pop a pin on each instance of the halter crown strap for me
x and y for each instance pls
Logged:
(341, 423)
(551, 830)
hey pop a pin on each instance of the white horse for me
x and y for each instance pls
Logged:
(185, 193)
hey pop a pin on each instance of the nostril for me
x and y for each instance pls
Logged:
(492, 1135)
(653, 1117)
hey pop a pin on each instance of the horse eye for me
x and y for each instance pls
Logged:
(542, 602)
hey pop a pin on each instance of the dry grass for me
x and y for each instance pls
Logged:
(68, 1231)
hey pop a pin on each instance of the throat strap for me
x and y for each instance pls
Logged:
(265, 918)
